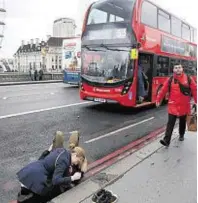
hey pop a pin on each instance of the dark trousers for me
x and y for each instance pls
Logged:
(27, 196)
(170, 126)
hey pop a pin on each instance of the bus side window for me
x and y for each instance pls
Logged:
(185, 66)
(162, 66)
(192, 68)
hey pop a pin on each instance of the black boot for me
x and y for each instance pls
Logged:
(163, 142)
(181, 138)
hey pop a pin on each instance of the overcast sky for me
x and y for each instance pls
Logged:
(30, 19)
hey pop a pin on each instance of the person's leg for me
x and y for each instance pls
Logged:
(25, 196)
(182, 127)
(50, 195)
(169, 130)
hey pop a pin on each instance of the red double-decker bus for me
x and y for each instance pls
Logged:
(119, 37)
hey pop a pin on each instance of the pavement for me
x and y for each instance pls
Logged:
(30, 115)
(152, 174)
(29, 82)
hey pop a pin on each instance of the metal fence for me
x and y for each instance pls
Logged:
(21, 77)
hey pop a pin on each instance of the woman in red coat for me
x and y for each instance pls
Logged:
(181, 87)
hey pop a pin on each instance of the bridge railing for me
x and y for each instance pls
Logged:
(21, 77)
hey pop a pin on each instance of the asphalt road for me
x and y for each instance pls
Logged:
(30, 115)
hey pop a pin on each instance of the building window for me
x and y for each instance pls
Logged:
(185, 32)
(162, 66)
(176, 26)
(52, 67)
(60, 67)
(149, 14)
(163, 21)
(52, 59)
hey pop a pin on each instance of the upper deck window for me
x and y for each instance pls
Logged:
(195, 35)
(109, 11)
(185, 32)
(175, 26)
(97, 16)
(163, 21)
(149, 14)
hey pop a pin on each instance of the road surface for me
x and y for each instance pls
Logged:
(30, 115)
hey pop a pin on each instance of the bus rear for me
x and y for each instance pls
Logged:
(71, 60)
(107, 68)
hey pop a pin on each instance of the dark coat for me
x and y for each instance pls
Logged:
(42, 175)
(66, 173)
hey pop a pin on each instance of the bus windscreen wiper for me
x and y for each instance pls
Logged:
(88, 48)
(112, 49)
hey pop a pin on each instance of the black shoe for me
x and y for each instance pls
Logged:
(98, 195)
(181, 138)
(23, 198)
(108, 197)
(164, 143)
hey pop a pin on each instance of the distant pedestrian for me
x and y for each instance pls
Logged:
(35, 74)
(31, 72)
(180, 87)
(40, 74)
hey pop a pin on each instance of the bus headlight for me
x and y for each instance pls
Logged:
(81, 86)
(126, 87)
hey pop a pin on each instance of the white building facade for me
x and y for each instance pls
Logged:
(64, 27)
(30, 56)
(54, 54)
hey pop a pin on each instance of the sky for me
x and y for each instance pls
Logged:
(30, 19)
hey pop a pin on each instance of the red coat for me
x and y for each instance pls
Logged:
(178, 103)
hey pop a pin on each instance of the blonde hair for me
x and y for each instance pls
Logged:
(80, 153)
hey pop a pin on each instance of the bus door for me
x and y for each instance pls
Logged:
(145, 63)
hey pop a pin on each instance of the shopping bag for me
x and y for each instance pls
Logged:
(192, 121)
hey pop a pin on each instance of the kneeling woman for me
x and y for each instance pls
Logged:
(41, 177)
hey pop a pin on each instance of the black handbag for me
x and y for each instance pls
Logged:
(185, 89)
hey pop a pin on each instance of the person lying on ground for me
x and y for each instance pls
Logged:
(58, 142)
(43, 176)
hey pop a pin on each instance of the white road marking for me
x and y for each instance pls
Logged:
(52, 93)
(4, 98)
(41, 110)
(119, 130)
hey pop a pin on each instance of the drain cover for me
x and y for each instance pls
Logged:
(103, 178)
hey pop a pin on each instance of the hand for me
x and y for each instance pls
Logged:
(76, 176)
(157, 104)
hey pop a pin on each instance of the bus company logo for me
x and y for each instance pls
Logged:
(118, 90)
(101, 90)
